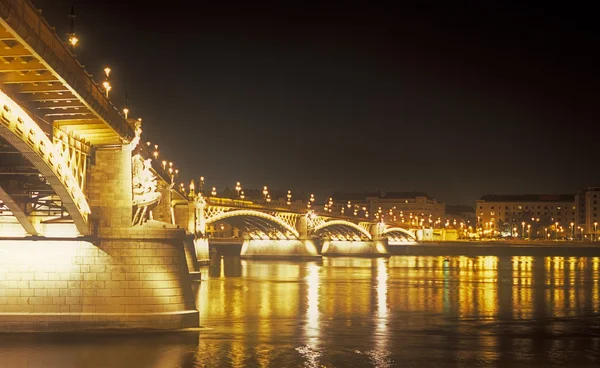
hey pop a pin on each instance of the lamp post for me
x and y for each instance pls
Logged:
(523, 229)
(201, 184)
(242, 196)
(289, 198)
(595, 232)
(106, 83)
(265, 192)
(238, 187)
(311, 200)
(529, 231)
(573, 230)
(213, 192)
(556, 230)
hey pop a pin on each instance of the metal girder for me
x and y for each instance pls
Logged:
(343, 224)
(51, 96)
(14, 51)
(20, 131)
(59, 104)
(13, 64)
(4, 35)
(18, 212)
(40, 88)
(27, 77)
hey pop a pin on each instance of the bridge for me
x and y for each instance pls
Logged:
(93, 232)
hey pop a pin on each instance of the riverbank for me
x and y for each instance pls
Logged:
(499, 248)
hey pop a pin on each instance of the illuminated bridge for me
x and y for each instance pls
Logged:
(93, 234)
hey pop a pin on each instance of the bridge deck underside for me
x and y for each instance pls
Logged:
(25, 195)
(39, 72)
(341, 232)
(399, 236)
(258, 228)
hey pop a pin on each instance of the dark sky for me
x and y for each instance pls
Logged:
(458, 101)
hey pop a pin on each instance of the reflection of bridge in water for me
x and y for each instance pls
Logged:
(93, 234)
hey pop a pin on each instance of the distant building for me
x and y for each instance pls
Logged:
(498, 212)
(587, 214)
(399, 208)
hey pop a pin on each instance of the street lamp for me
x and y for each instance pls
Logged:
(106, 83)
(238, 187)
(265, 192)
(268, 198)
(556, 230)
(523, 229)
(529, 231)
(573, 230)
(213, 192)
(289, 197)
(242, 196)
(311, 200)
(595, 232)
(201, 184)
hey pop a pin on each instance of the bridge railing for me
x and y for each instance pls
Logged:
(244, 204)
(218, 201)
(27, 21)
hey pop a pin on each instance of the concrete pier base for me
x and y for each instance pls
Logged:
(202, 251)
(75, 285)
(374, 248)
(297, 249)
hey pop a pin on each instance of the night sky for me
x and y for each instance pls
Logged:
(457, 101)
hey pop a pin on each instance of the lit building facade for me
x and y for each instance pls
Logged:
(588, 219)
(519, 213)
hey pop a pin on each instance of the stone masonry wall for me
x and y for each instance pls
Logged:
(109, 189)
(64, 285)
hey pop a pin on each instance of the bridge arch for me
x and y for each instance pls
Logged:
(24, 134)
(398, 232)
(254, 220)
(343, 227)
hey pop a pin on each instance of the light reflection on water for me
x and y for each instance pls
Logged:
(403, 311)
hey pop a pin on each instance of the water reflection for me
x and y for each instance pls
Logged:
(358, 312)
(311, 351)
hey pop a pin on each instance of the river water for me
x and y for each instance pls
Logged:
(403, 311)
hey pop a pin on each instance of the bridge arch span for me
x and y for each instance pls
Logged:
(341, 227)
(250, 220)
(23, 133)
(398, 232)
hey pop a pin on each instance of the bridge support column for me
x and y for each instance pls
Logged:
(125, 277)
(297, 249)
(369, 248)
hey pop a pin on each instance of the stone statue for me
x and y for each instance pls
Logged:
(144, 184)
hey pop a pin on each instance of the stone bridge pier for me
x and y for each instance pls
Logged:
(121, 277)
(377, 246)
